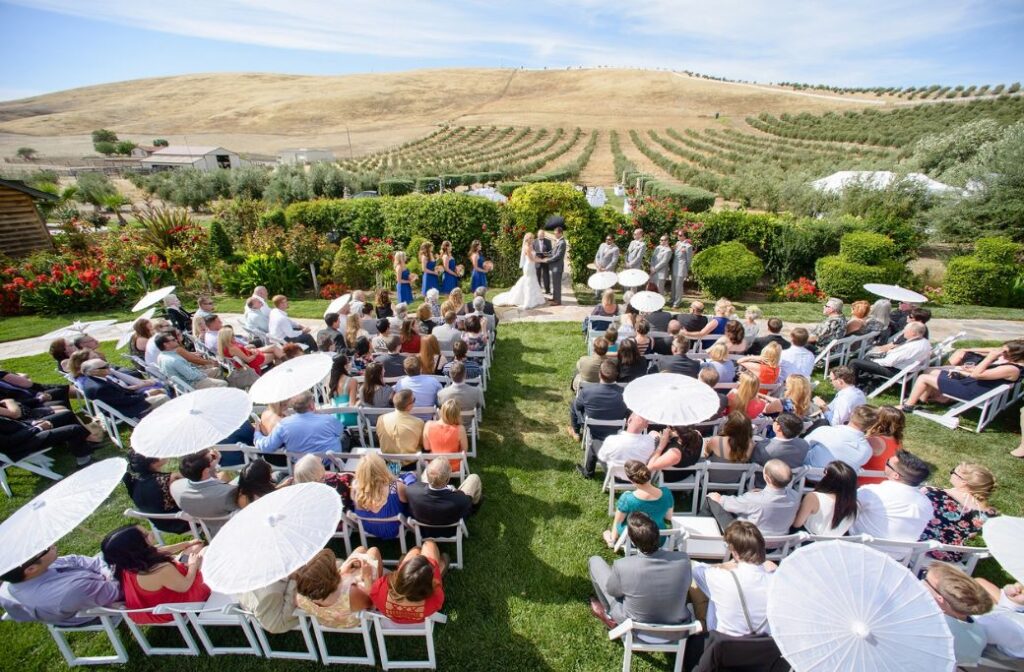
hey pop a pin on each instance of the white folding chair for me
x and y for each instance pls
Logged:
(354, 431)
(358, 521)
(107, 624)
(221, 611)
(944, 347)
(38, 463)
(969, 556)
(903, 378)
(385, 627)
(110, 419)
(726, 470)
(472, 428)
(178, 621)
(320, 632)
(648, 637)
(368, 416)
(179, 385)
(990, 404)
(836, 352)
(157, 534)
(670, 540)
(907, 553)
(587, 441)
(422, 531)
(310, 653)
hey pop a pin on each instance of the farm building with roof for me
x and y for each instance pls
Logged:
(191, 156)
(22, 230)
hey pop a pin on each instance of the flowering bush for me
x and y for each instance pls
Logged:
(86, 283)
(658, 216)
(332, 290)
(803, 290)
(376, 255)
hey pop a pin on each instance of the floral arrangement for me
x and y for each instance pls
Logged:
(803, 290)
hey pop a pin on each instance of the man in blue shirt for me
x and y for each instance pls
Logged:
(173, 364)
(305, 431)
(423, 388)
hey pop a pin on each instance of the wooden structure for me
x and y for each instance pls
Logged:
(22, 230)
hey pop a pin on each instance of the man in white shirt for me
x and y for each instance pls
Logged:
(960, 598)
(447, 332)
(213, 326)
(848, 396)
(254, 316)
(915, 349)
(771, 509)
(262, 297)
(895, 508)
(284, 328)
(796, 360)
(633, 443)
(846, 443)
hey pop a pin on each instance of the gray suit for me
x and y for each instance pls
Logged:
(660, 260)
(212, 498)
(607, 257)
(647, 588)
(682, 258)
(542, 248)
(791, 451)
(635, 254)
(556, 262)
(468, 396)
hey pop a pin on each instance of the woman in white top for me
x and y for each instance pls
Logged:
(718, 358)
(831, 508)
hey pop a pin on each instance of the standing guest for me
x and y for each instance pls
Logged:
(400, 431)
(606, 260)
(887, 360)
(895, 509)
(376, 493)
(432, 362)
(202, 492)
(636, 253)
(678, 361)
(968, 380)
(796, 399)
(447, 435)
(375, 394)
(848, 397)
(831, 508)
(774, 335)
(332, 332)
(661, 258)
(959, 511)
(479, 265)
(51, 589)
(745, 397)
(694, 320)
(847, 443)
(786, 445)
(428, 263)
(403, 278)
(766, 366)
(150, 490)
(434, 502)
(719, 360)
(334, 592)
(888, 430)
(833, 327)
(960, 597)
(682, 259)
(646, 498)
(598, 402)
(468, 397)
(286, 329)
(733, 445)
(646, 587)
(678, 448)
(149, 574)
(449, 272)
(797, 360)
(413, 592)
(304, 431)
(542, 248)
(384, 309)
(423, 386)
(409, 337)
(772, 509)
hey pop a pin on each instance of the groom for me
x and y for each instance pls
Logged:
(542, 248)
(556, 264)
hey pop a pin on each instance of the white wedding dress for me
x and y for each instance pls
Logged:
(526, 293)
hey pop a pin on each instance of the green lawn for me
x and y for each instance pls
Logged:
(520, 603)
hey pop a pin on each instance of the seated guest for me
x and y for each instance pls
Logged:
(750, 327)
(474, 335)
(460, 350)
(447, 333)
(774, 335)
(488, 307)
(423, 387)
(832, 328)
(202, 492)
(393, 361)
(599, 402)
(648, 587)
(921, 315)
(885, 361)
(400, 317)
(212, 324)
(662, 344)
(796, 398)
(888, 429)
(206, 307)
(179, 317)
(895, 508)
(354, 330)
(432, 362)
(342, 388)
(848, 397)
(150, 575)
(199, 329)
(719, 360)
(274, 413)
(898, 318)
(633, 443)
(334, 592)
(228, 347)
(831, 508)
(1004, 625)
(376, 493)
(733, 445)
(255, 480)
(384, 308)
(969, 381)
(772, 509)
(304, 431)
(766, 366)
(150, 490)
(647, 498)
(678, 362)
(61, 351)
(588, 366)
(152, 352)
(142, 331)
(272, 606)
(959, 511)
(748, 573)
(709, 377)
(712, 328)
(468, 397)
(256, 316)
(425, 321)
(786, 445)
(877, 320)
(627, 324)
(286, 329)
(847, 443)
(678, 448)
(732, 339)
(611, 334)
(414, 591)
(20, 438)
(310, 469)
(410, 337)
(379, 343)
(658, 320)
(355, 307)
(797, 359)
(434, 502)
(632, 364)
(694, 320)
(173, 364)
(94, 384)
(858, 315)
(745, 397)
(644, 342)
(332, 330)
(960, 598)
(52, 589)
(447, 435)
(608, 308)
(374, 393)
(400, 431)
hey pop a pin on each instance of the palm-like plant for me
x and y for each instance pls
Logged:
(114, 203)
(159, 226)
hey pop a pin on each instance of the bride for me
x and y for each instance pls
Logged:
(526, 293)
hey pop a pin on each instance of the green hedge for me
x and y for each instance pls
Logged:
(846, 279)
(428, 185)
(506, 188)
(531, 204)
(727, 270)
(997, 250)
(396, 187)
(869, 249)
(691, 198)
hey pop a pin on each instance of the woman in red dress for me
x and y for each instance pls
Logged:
(413, 592)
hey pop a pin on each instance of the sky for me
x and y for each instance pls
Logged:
(50, 45)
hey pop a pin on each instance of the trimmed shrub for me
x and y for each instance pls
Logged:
(691, 198)
(412, 251)
(531, 204)
(997, 250)
(396, 187)
(357, 217)
(845, 279)
(346, 268)
(989, 277)
(728, 270)
(455, 217)
(428, 185)
(506, 188)
(869, 249)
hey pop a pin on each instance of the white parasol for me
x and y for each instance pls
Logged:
(289, 378)
(77, 328)
(337, 304)
(895, 293)
(1004, 536)
(671, 399)
(272, 537)
(633, 277)
(153, 298)
(191, 422)
(835, 605)
(647, 302)
(603, 280)
(56, 511)
(130, 329)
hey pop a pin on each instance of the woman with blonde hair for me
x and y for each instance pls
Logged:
(254, 358)
(274, 413)
(447, 435)
(796, 398)
(403, 278)
(959, 511)
(450, 276)
(859, 313)
(198, 328)
(457, 300)
(354, 329)
(334, 591)
(718, 359)
(885, 437)
(431, 359)
(428, 263)
(376, 493)
(745, 397)
(766, 366)
(750, 317)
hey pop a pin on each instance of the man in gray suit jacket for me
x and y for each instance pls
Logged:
(682, 258)
(542, 248)
(607, 258)
(649, 587)
(468, 397)
(201, 493)
(660, 260)
(556, 262)
(637, 250)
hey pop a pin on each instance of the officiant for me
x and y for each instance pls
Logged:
(542, 248)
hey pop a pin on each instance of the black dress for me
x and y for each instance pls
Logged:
(151, 493)
(968, 388)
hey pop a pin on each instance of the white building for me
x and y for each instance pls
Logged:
(303, 156)
(879, 179)
(191, 156)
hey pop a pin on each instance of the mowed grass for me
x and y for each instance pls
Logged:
(520, 603)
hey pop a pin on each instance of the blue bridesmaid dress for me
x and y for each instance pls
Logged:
(479, 278)
(449, 280)
(405, 288)
(429, 280)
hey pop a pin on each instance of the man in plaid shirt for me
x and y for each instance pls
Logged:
(833, 327)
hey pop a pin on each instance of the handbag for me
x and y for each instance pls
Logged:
(243, 379)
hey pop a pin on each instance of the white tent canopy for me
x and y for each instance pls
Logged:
(879, 179)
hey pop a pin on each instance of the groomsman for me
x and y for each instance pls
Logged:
(606, 259)
(542, 248)
(637, 250)
(660, 260)
(682, 257)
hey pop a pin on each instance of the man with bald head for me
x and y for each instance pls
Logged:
(772, 509)
(886, 361)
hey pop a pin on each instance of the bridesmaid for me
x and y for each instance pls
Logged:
(403, 279)
(429, 265)
(450, 279)
(476, 258)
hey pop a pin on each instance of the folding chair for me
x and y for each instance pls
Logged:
(648, 637)
(472, 429)
(423, 531)
(157, 534)
(287, 654)
(385, 627)
(907, 553)
(179, 385)
(969, 556)
(717, 469)
(990, 404)
(836, 352)
(903, 378)
(944, 347)
(587, 441)
(369, 416)
(353, 431)
(38, 463)
(110, 418)
(178, 621)
(221, 611)
(107, 624)
(320, 632)
(691, 484)
(615, 481)
(364, 536)
(670, 540)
